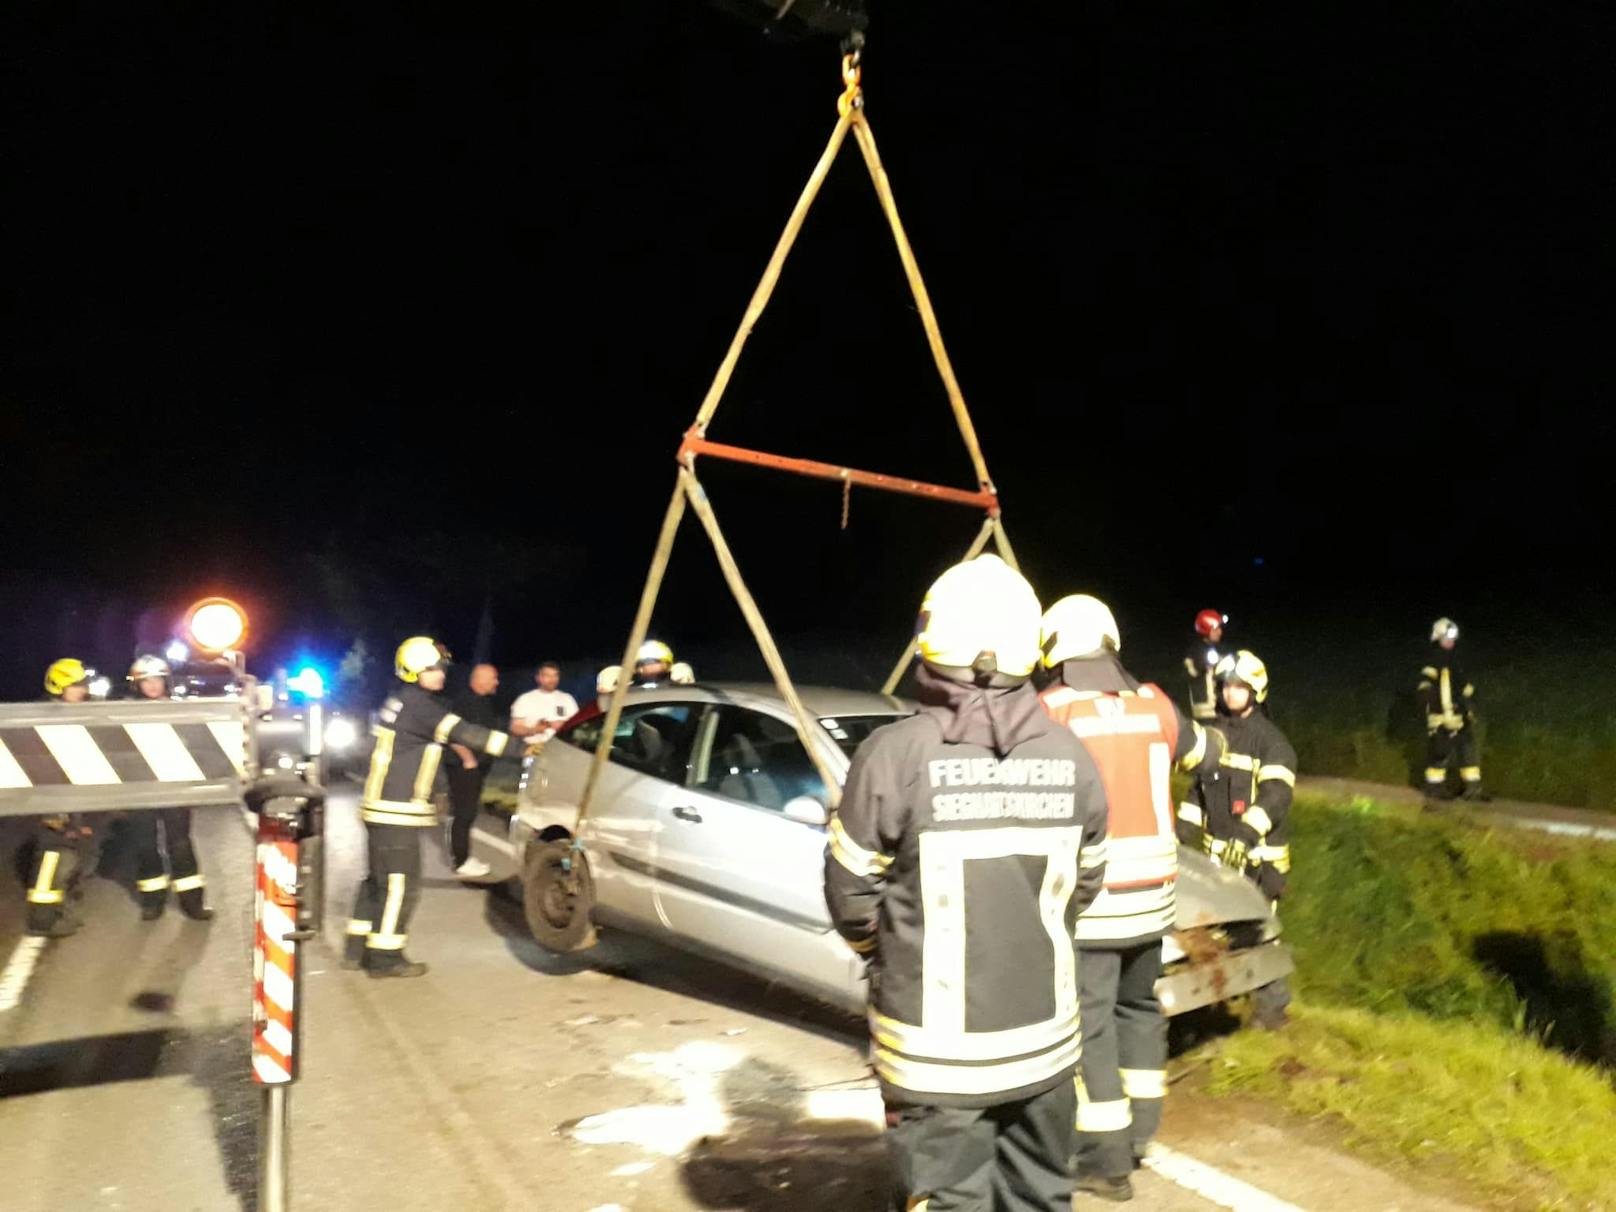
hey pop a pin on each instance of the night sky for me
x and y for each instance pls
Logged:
(376, 314)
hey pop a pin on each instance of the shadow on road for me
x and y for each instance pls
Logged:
(776, 1157)
(1567, 1007)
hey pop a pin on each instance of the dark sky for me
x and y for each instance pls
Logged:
(365, 315)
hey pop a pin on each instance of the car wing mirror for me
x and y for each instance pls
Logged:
(807, 810)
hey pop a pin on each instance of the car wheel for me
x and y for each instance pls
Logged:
(557, 902)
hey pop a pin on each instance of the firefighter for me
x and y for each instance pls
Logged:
(412, 729)
(1124, 726)
(58, 858)
(149, 679)
(969, 838)
(1240, 812)
(652, 663)
(1200, 659)
(606, 686)
(1450, 719)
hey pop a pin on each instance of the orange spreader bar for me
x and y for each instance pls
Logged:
(696, 445)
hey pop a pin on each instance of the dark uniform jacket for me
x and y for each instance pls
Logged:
(969, 838)
(1240, 814)
(1445, 692)
(413, 727)
(1199, 659)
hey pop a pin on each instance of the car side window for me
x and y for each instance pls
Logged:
(654, 739)
(758, 760)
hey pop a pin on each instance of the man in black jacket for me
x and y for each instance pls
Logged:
(413, 728)
(969, 838)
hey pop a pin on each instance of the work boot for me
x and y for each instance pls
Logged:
(472, 869)
(1116, 1190)
(52, 925)
(399, 968)
(152, 905)
(1475, 794)
(192, 906)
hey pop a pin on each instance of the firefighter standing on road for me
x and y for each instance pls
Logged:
(969, 837)
(412, 729)
(1450, 721)
(1134, 733)
(1200, 659)
(149, 679)
(57, 854)
(1240, 812)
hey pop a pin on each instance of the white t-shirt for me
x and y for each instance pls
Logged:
(543, 706)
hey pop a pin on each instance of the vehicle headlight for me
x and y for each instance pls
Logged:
(340, 734)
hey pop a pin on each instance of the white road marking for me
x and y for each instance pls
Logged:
(1212, 1184)
(14, 978)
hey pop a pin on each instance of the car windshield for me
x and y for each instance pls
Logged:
(849, 731)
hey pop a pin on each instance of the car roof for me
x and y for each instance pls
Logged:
(824, 702)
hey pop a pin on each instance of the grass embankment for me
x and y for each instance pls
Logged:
(1454, 1000)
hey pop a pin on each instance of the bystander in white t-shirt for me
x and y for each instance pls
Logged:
(553, 707)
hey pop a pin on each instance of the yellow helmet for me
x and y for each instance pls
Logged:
(653, 652)
(980, 617)
(1078, 626)
(69, 671)
(415, 656)
(1245, 667)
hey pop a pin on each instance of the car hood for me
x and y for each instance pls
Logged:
(1210, 895)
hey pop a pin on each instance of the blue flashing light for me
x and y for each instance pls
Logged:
(309, 682)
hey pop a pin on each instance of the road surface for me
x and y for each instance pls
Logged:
(632, 1078)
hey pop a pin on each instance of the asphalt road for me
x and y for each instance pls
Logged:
(632, 1078)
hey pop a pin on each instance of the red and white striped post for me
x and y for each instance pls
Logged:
(276, 979)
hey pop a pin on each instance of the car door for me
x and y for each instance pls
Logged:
(644, 779)
(737, 874)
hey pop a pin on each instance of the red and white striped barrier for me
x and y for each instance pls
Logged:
(275, 975)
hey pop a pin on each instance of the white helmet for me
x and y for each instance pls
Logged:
(1078, 626)
(148, 667)
(606, 680)
(980, 618)
(1444, 629)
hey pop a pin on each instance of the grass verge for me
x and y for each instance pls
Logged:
(1454, 999)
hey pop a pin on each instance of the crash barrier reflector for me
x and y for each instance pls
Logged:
(98, 756)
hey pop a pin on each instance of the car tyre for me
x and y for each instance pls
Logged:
(559, 904)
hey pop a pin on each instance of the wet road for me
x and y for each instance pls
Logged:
(632, 1077)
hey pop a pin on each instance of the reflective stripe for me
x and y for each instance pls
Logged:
(1436, 774)
(1193, 813)
(1430, 672)
(1095, 855)
(1115, 725)
(446, 725)
(155, 884)
(44, 891)
(1470, 774)
(387, 942)
(910, 1040)
(79, 756)
(187, 882)
(1114, 1116)
(1468, 691)
(1279, 856)
(1238, 761)
(1447, 694)
(1283, 774)
(1117, 915)
(1258, 819)
(380, 759)
(392, 813)
(427, 772)
(496, 744)
(1197, 753)
(856, 858)
(355, 926)
(862, 945)
(393, 906)
(1144, 1083)
(925, 1077)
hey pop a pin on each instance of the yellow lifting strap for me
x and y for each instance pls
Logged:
(689, 491)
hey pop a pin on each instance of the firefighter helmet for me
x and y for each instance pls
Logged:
(1245, 667)
(148, 666)
(69, 671)
(607, 679)
(1207, 620)
(1444, 629)
(978, 619)
(416, 655)
(1078, 626)
(653, 652)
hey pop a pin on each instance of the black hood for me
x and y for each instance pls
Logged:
(1103, 673)
(996, 719)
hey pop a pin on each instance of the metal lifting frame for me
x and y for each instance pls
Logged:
(688, 490)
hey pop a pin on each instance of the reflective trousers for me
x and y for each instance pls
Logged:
(380, 925)
(1444, 749)
(1123, 1076)
(56, 864)
(1014, 1157)
(155, 875)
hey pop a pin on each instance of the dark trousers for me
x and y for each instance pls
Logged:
(380, 925)
(1014, 1157)
(55, 865)
(466, 801)
(1444, 749)
(154, 875)
(1124, 1068)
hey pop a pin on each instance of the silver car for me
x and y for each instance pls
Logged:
(708, 832)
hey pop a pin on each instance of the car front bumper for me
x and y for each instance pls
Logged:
(1188, 986)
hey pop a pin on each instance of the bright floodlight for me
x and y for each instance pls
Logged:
(176, 652)
(216, 625)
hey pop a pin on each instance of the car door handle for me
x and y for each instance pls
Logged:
(688, 814)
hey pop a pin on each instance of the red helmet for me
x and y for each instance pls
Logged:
(1207, 620)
